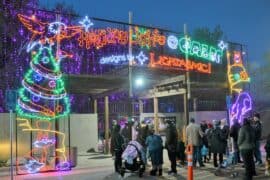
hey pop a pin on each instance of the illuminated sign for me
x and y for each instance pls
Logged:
(173, 62)
(197, 49)
(122, 59)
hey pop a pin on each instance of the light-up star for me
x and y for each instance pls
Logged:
(222, 45)
(86, 23)
(141, 58)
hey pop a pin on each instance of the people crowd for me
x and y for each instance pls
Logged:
(210, 139)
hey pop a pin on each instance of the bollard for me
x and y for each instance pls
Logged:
(190, 161)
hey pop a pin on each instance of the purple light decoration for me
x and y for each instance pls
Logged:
(33, 166)
(52, 84)
(242, 105)
(35, 98)
(63, 166)
(44, 142)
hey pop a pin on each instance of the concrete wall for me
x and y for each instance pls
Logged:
(84, 131)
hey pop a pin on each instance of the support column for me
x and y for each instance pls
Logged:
(185, 117)
(106, 124)
(140, 106)
(95, 106)
(156, 123)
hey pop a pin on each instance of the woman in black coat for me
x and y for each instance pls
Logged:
(218, 146)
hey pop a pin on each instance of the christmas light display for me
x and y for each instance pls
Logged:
(44, 143)
(173, 62)
(194, 48)
(43, 97)
(237, 75)
(236, 72)
(242, 105)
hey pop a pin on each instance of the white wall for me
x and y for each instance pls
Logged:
(84, 131)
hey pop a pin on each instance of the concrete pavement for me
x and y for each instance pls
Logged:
(96, 166)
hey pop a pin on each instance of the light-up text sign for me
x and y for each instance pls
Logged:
(197, 49)
(174, 62)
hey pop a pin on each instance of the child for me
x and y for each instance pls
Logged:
(267, 150)
(204, 152)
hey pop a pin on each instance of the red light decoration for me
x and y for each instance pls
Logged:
(173, 62)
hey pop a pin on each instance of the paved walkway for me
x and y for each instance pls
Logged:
(95, 166)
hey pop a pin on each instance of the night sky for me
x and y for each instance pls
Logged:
(243, 21)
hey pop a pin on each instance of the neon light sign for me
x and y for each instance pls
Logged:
(195, 48)
(173, 62)
(121, 59)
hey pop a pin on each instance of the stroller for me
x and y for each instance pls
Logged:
(134, 159)
(228, 167)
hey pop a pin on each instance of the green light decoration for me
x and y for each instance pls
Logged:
(197, 49)
(43, 95)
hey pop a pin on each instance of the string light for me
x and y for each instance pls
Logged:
(141, 58)
(222, 45)
(86, 23)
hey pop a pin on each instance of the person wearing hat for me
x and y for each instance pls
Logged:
(246, 145)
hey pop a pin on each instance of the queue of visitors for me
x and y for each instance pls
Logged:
(209, 139)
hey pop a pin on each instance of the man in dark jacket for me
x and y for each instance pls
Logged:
(257, 126)
(217, 139)
(171, 145)
(234, 131)
(118, 141)
(246, 145)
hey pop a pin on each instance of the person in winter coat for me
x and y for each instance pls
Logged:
(114, 123)
(267, 161)
(208, 136)
(118, 142)
(217, 139)
(194, 136)
(234, 131)
(246, 145)
(155, 149)
(171, 145)
(257, 127)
